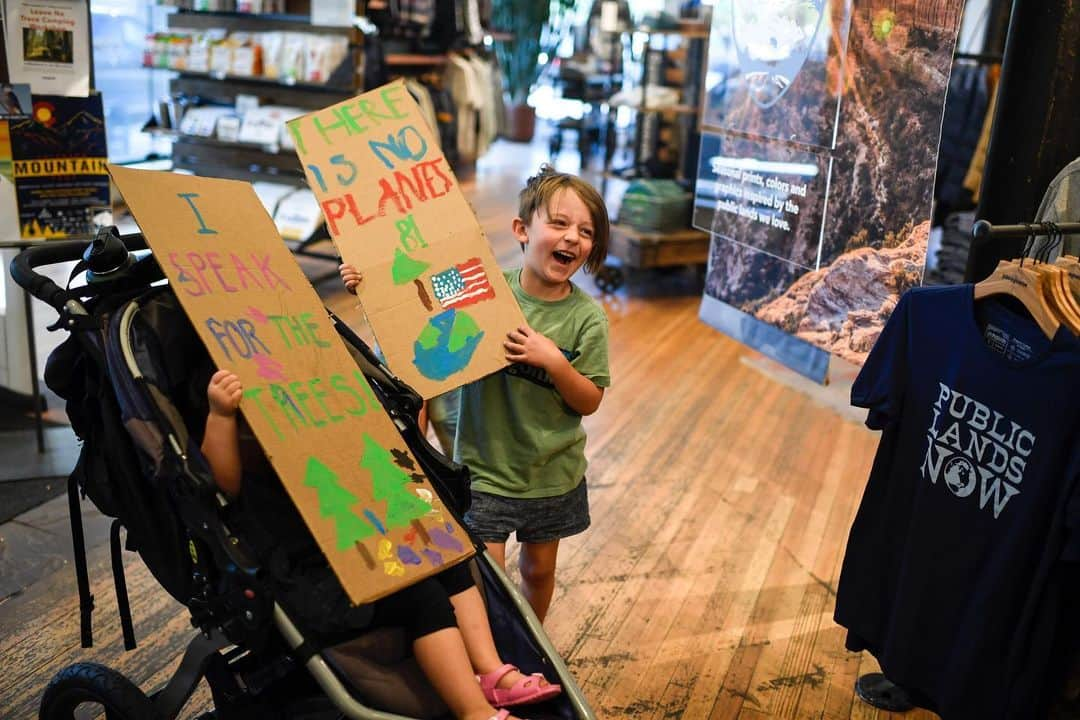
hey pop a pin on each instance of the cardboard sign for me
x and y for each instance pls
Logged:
(339, 456)
(432, 291)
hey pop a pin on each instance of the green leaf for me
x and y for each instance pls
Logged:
(405, 269)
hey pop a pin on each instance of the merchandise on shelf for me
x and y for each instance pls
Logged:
(288, 57)
(254, 7)
(655, 205)
(203, 121)
(266, 125)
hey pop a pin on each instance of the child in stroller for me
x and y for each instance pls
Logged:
(276, 632)
(446, 651)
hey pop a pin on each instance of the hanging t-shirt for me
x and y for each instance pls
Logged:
(953, 570)
(460, 79)
(422, 97)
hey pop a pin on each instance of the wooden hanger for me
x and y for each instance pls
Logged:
(1016, 280)
(1056, 282)
(1071, 266)
(1059, 296)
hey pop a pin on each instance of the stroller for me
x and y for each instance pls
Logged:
(125, 374)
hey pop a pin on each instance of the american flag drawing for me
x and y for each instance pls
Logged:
(464, 284)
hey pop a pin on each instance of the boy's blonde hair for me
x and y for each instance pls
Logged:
(542, 187)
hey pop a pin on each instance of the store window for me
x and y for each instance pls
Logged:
(129, 91)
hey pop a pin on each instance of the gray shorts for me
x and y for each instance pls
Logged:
(537, 520)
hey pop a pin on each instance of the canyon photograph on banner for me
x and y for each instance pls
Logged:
(821, 126)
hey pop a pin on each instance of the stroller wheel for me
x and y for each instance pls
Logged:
(92, 684)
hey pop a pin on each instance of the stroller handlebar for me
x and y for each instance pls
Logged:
(57, 251)
(48, 253)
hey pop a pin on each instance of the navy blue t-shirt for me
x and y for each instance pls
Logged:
(953, 572)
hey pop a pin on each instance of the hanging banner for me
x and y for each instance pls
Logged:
(338, 454)
(816, 174)
(59, 166)
(432, 291)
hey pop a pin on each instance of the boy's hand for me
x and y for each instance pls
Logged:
(224, 393)
(350, 276)
(525, 345)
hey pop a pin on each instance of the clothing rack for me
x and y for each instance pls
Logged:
(982, 58)
(983, 230)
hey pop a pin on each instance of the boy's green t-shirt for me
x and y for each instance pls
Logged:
(515, 432)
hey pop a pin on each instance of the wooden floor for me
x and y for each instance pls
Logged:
(721, 487)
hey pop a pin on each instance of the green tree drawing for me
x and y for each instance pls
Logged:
(334, 502)
(405, 269)
(391, 483)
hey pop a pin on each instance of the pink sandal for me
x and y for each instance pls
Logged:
(526, 690)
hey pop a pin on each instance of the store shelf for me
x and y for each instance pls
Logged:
(256, 80)
(702, 32)
(663, 133)
(668, 109)
(401, 59)
(225, 93)
(251, 22)
(215, 158)
(268, 149)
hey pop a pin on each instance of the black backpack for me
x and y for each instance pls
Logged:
(87, 371)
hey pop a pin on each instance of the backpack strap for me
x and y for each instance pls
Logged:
(86, 598)
(122, 604)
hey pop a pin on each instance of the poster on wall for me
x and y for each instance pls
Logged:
(59, 166)
(48, 45)
(343, 462)
(432, 291)
(821, 126)
(8, 208)
(14, 106)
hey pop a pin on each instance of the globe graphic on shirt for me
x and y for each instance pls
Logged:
(960, 476)
(773, 39)
(446, 344)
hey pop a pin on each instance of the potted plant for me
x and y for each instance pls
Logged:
(530, 28)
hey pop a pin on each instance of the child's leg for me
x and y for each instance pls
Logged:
(425, 611)
(475, 629)
(443, 659)
(497, 552)
(537, 565)
(472, 619)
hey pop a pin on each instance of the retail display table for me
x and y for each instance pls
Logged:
(640, 249)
